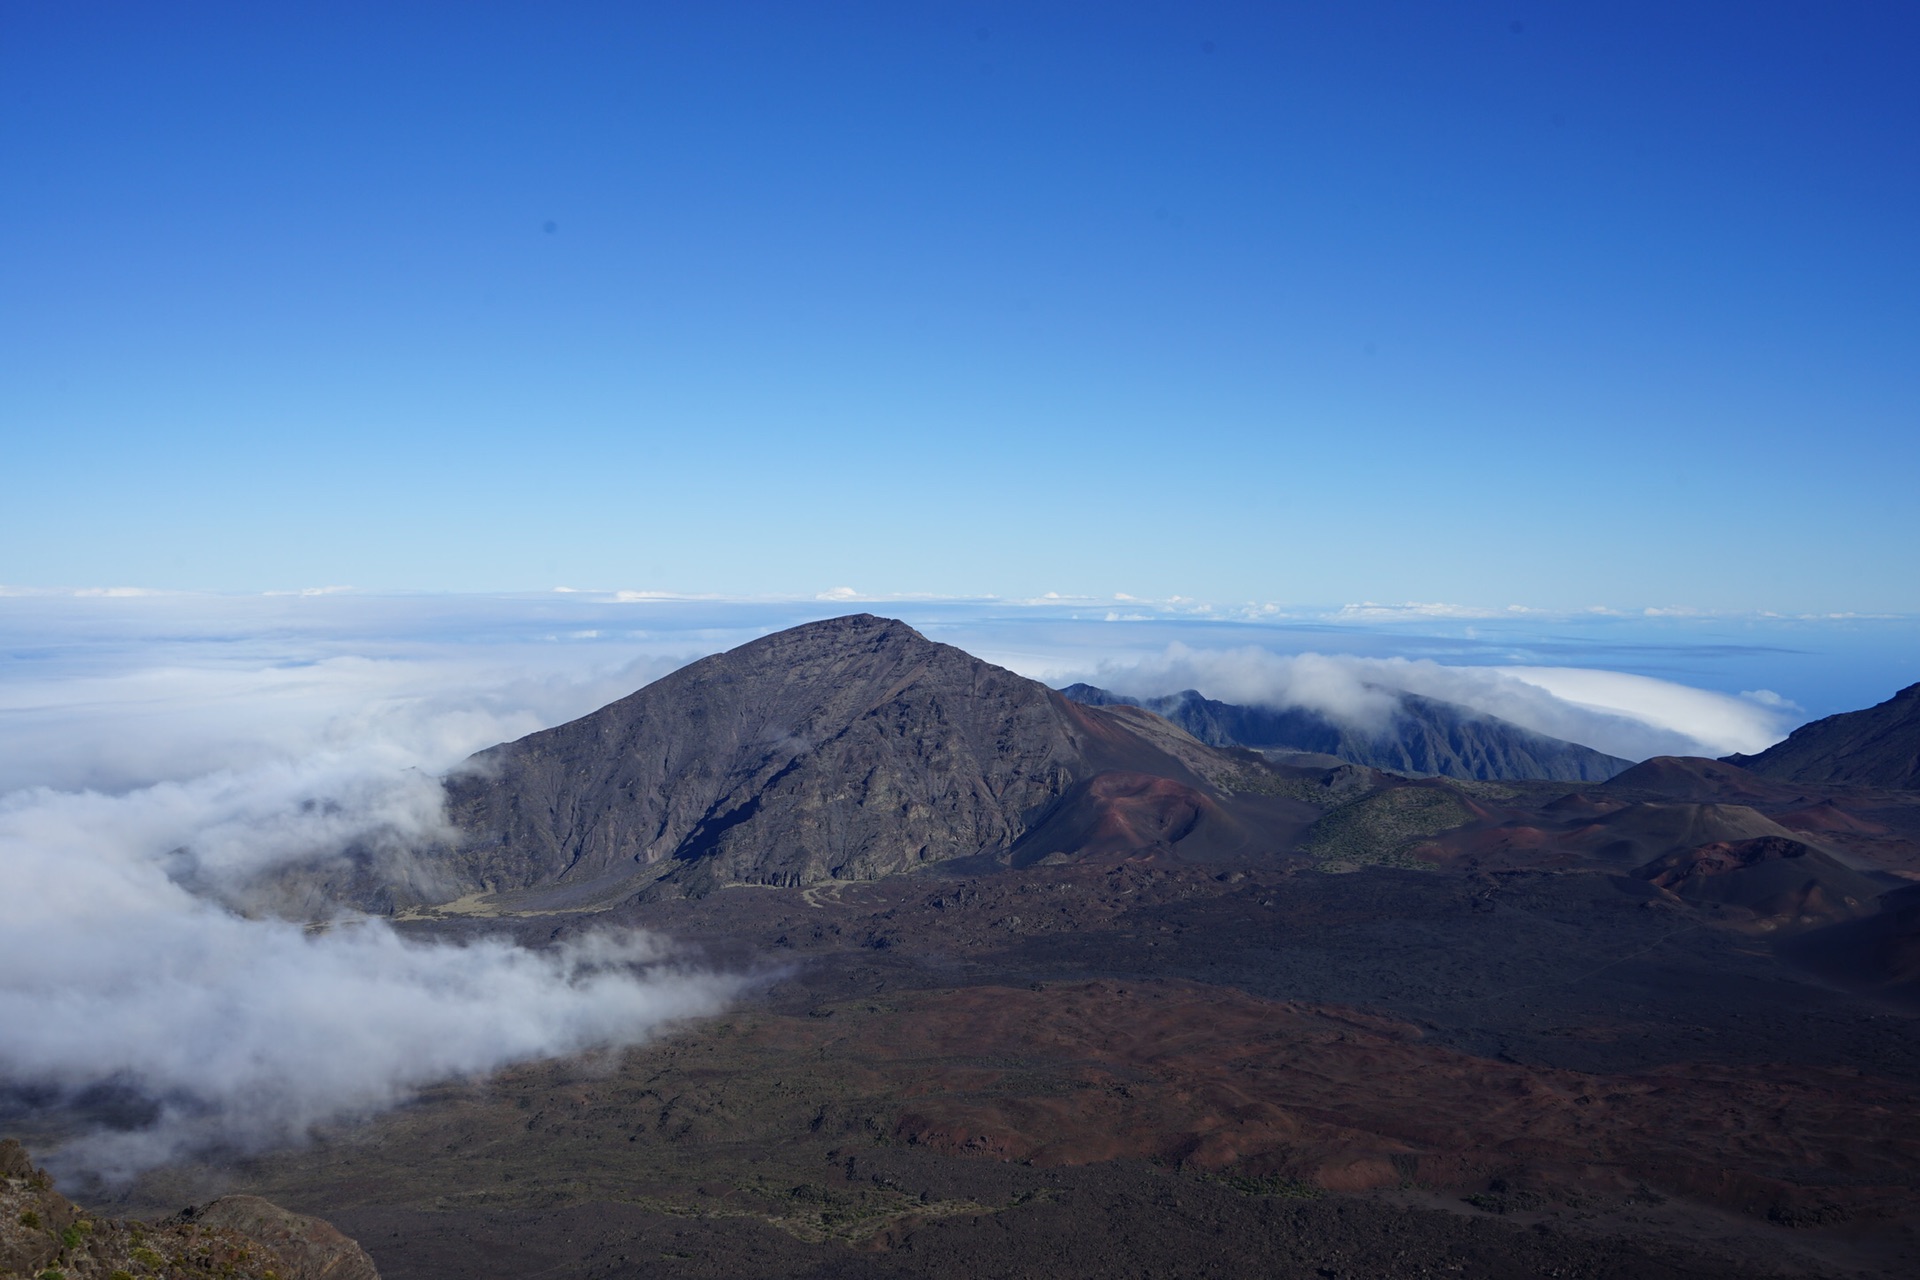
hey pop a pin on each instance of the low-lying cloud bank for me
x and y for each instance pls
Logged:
(130, 984)
(125, 728)
(1624, 715)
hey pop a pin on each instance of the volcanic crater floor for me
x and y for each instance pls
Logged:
(1142, 1066)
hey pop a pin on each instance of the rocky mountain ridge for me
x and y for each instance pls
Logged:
(1425, 736)
(1875, 747)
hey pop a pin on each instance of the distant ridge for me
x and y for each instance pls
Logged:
(1877, 747)
(1426, 736)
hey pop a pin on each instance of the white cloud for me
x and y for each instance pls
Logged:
(1720, 723)
(245, 1032)
(123, 964)
(1414, 611)
(92, 593)
(194, 715)
(1331, 686)
(1629, 716)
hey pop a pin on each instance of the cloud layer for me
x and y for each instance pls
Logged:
(241, 1033)
(1624, 715)
(127, 972)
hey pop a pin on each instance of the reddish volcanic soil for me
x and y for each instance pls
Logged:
(1828, 817)
(1118, 812)
(1609, 1031)
(1346, 1101)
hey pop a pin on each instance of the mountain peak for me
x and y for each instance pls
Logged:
(848, 748)
(858, 630)
(860, 624)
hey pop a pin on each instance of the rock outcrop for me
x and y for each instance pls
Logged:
(311, 1248)
(233, 1238)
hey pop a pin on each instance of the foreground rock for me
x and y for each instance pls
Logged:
(311, 1248)
(43, 1233)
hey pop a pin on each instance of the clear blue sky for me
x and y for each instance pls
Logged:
(1555, 305)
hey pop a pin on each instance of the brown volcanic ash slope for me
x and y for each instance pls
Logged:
(839, 750)
(1877, 747)
(1774, 878)
(1695, 778)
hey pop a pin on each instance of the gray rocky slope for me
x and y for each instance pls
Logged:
(1425, 736)
(1877, 747)
(845, 749)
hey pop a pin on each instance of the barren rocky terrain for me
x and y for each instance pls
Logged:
(1159, 1009)
(1134, 1064)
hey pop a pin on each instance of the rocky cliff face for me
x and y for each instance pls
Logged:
(1425, 736)
(1877, 747)
(846, 749)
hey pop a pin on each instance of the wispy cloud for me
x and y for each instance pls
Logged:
(1720, 723)
(116, 729)
(1624, 715)
(84, 593)
(1417, 612)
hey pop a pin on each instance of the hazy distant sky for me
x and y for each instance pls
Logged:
(1558, 305)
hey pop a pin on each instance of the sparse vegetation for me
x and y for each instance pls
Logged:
(1503, 1197)
(1376, 830)
(1261, 782)
(1338, 787)
(1274, 1185)
(43, 1236)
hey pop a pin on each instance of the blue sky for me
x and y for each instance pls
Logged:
(1552, 305)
